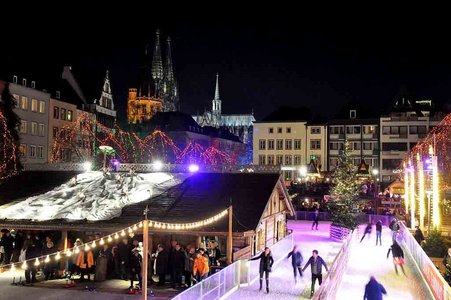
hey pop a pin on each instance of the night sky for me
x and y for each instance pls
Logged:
(317, 61)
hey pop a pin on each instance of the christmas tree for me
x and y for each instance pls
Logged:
(9, 137)
(343, 206)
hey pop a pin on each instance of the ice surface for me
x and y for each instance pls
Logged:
(94, 196)
(368, 259)
(281, 280)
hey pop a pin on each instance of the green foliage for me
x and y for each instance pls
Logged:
(447, 274)
(435, 245)
(342, 206)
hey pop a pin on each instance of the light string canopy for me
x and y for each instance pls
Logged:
(129, 230)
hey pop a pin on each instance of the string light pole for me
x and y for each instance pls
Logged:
(145, 250)
(229, 236)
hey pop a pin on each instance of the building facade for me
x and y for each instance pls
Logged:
(61, 114)
(33, 111)
(406, 125)
(316, 146)
(282, 144)
(157, 89)
(238, 124)
(362, 135)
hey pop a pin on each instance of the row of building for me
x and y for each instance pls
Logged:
(379, 145)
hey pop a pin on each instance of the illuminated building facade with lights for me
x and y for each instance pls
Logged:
(240, 125)
(157, 88)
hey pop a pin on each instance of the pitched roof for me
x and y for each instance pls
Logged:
(198, 197)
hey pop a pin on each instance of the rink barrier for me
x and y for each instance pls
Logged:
(331, 283)
(362, 218)
(240, 273)
(434, 280)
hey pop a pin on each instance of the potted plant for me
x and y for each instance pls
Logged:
(342, 205)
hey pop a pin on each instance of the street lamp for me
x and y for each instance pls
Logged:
(375, 172)
(106, 150)
(303, 171)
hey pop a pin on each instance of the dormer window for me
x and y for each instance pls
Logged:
(58, 94)
(33, 84)
(352, 114)
(14, 79)
(24, 82)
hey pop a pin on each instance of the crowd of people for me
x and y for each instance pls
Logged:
(121, 259)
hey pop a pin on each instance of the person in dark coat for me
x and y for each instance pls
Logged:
(135, 264)
(419, 237)
(315, 218)
(296, 262)
(374, 290)
(162, 264)
(368, 229)
(379, 232)
(124, 251)
(266, 262)
(317, 264)
(394, 227)
(178, 264)
(19, 239)
(398, 256)
(189, 264)
(49, 267)
(31, 252)
(7, 242)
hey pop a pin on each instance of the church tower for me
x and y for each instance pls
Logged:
(157, 66)
(216, 105)
(169, 82)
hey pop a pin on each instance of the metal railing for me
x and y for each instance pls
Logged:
(437, 284)
(362, 218)
(229, 279)
(332, 281)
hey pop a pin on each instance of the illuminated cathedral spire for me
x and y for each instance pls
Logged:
(157, 65)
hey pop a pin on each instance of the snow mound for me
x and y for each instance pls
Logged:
(93, 196)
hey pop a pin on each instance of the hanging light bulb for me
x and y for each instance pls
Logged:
(12, 269)
(130, 230)
(47, 259)
(87, 248)
(36, 262)
(150, 223)
(57, 256)
(93, 244)
(24, 265)
(68, 253)
(110, 239)
(101, 242)
(135, 227)
(140, 224)
(116, 236)
(123, 233)
(77, 250)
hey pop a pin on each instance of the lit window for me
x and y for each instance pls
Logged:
(41, 107)
(17, 100)
(279, 159)
(24, 103)
(34, 105)
(297, 160)
(32, 152)
(63, 114)
(271, 160)
(69, 115)
(22, 150)
(288, 160)
(23, 126)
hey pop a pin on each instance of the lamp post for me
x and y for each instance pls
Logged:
(375, 173)
(106, 150)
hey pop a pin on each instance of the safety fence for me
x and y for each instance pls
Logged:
(229, 279)
(437, 284)
(332, 281)
(362, 218)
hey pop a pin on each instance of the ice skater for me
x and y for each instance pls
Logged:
(266, 262)
(315, 218)
(379, 232)
(398, 256)
(374, 290)
(296, 262)
(368, 229)
(394, 227)
(317, 264)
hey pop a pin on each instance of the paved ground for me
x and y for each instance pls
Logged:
(281, 279)
(368, 259)
(54, 290)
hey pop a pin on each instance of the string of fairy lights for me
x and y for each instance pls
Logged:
(81, 135)
(75, 250)
(8, 158)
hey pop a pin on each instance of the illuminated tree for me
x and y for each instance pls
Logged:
(342, 206)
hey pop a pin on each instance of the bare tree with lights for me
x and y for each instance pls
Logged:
(343, 206)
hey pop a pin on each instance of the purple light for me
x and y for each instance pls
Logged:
(115, 162)
(193, 168)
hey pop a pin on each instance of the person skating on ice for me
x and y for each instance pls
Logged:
(317, 264)
(398, 256)
(296, 262)
(266, 262)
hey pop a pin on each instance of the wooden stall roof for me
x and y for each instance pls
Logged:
(198, 197)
